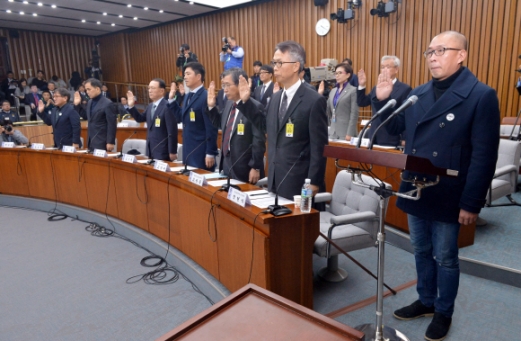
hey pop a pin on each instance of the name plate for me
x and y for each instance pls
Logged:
(238, 197)
(7, 144)
(123, 125)
(129, 158)
(37, 146)
(198, 179)
(161, 166)
(69, 149)
(100, 153)
(354, 142)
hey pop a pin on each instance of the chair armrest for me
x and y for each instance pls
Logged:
(323, 197)
(504, 170)
(352, 218)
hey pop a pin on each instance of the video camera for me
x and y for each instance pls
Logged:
(324, 72)
(226, 45)
(6, 123)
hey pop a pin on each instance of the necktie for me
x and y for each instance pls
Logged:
(104, 94)
(153, 110)
(283, 107)
(262, 91)
(36, 99)
(189, 98)
(228, 131)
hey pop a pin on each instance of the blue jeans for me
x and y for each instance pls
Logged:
(437, 265)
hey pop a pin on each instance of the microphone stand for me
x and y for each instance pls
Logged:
(390, 104)
(151, 161)
(33, 137)
(276, 209)
(226, 187)
(121, 152)
(186, 171)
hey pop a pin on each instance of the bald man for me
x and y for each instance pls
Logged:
(454, 124)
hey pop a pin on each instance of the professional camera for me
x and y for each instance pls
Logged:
(182, 50)
(324, 72)
(226, 45)
(6, 123)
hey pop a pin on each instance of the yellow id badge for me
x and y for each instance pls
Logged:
(240, 128)
(289, 129)
(192, 115)
(158, 122)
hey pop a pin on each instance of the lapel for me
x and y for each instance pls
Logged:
(158, 112)
(194, 98)
(292, 106)
(56, 112)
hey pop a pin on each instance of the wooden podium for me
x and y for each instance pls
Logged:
(253, 313)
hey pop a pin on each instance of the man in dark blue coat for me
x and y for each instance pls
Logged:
(199, 134)
(400, 92)
(65, 121)
(454, 124)
(161, 122)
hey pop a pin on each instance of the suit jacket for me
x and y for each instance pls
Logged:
(307, 112)
(239, 144)
(102, 123)
(107, 94)
(65, 124)
(12, 116)
(400, 93)
(162, 140)
(459, 131)
(29, 99)
(346, 113)
(196, 132)
(221, 100)
(267, 94)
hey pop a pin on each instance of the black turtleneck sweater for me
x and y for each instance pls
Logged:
(440, 87)
(94, 102)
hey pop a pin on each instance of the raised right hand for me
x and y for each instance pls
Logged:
(173, 89)
(244, 89)
(211, 95)
(41, 106)
(130, 99)
(362, 78)
(77, 98)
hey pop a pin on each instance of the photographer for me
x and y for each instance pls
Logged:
(232, 55)
(8, 134)
(185, 56)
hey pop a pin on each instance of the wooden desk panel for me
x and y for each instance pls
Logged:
(13, 172)
(31, 131)
(157, 206)
(69, 177)
(38, 168)
(100, 177)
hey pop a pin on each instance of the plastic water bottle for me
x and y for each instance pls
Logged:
(307, 193)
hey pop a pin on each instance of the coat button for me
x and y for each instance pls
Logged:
(414, 151)
(442, 124)
(435, 154)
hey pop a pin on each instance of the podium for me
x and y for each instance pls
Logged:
(378, 331)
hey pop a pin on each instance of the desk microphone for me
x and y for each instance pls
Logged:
(185, 161)
(151, 161)
(29, 145)
(90, 151)
(389, 105)
(60, 146)
(276, 209)
(409, 102)
(226, 187)
(121, 153)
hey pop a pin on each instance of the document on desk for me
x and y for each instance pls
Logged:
(214, 176)
(219, 183)
(264, 200)
(177, 169)
(83, 151)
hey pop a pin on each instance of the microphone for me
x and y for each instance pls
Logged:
(121, 153)
(92, 139)
(409, 102)
(276, 209)
(390, 104)
(60, 144)
(226, 187)
(29, 146)
(151, 161)
(186, 171)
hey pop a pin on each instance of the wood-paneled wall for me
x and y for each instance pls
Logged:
(56, 54)
(492, 28)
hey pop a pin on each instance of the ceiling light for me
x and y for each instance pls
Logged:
(160, 11)
(53, 6)
(8, 11)
(146, 8)
(112, 24)
(82, 20)
(26, 2)
(135, 18)
(104, 13)
(98, 23)
(22, 13)
(120, 16)
(129, 5)
(35, 15)
(191, 2)
(11, 0)
(40, 4)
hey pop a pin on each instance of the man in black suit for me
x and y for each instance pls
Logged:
(32, 100)
(161, 123)
(7, 87)
(101, 115)
(264, 91)
(65, 121)
(399, 93)
(238, 132)
(296, 122)
(105, 91)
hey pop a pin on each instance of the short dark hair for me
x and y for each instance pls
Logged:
(161, 82)
(257, 63)
(267, 68)
(295, 50)
(37, 72)
(5, 101)
(46, 91)
(54, 78)
(94, 82)
(64, 93)
(347, 68)
(198, 69)
(185, 46)
(235, 72)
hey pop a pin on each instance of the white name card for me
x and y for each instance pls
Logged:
(69, 149)
(7, 144)
(198, 179)
(238, 197)
(37, 146)
(161, 166)
(129, 158)
(365, 142)
(123, 125)
(100, 153)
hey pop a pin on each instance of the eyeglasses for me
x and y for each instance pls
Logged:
(264, 72)
(227, 85)
(438, 52)
(279, 64)
(56, 96)
(338, 73)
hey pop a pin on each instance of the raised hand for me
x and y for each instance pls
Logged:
(249, 82)
(77, 98)
(211, 95)
(321, 88)
(244, 89)
(173, 89)
(41, 106)
(362, 78)
(181, 89)
(384, 86)
(130, 99)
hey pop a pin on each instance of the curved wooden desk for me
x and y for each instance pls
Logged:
(177, 211)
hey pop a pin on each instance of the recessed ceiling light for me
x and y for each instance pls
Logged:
(129, 5)
(53, 6)
(120, 16)
(146, 8)
(26, 2)
(98, 23)
(191, 2)
(22, 13)
(11, 0)
(35, 15)
(104, 13)
(8, 11)
(160, 11)
(135, 18)
(112, 24)
(40, 4)
(82, 20)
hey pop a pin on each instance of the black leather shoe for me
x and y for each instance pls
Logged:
(413, 311)
(438, 328)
